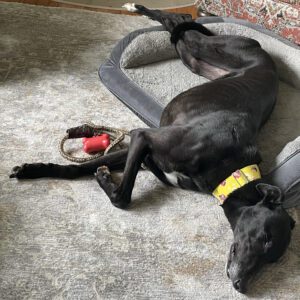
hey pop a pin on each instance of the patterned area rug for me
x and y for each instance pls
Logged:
(63, 239)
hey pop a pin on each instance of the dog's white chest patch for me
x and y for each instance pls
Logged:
(173, 177)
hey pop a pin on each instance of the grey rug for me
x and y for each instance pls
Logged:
(63, 239)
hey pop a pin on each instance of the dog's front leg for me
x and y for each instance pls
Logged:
(120, 196)
(115, 161)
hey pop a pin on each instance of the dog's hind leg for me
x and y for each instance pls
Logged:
(198, 66)
(115, 161)
(167, 19)
(175, 23)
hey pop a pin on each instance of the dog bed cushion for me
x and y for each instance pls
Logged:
(145, 73)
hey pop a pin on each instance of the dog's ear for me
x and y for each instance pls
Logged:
(272, 195)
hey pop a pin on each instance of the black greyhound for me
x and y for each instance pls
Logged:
(206, 134)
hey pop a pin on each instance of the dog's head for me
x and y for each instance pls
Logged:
(261, 235)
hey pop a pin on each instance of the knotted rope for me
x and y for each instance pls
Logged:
(89, 130)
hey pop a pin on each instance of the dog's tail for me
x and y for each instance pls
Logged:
(175, 23)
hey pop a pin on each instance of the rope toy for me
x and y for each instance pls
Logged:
(89, 130)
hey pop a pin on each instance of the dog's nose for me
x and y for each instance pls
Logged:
(238, 286)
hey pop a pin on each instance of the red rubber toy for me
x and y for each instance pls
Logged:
(96, 143)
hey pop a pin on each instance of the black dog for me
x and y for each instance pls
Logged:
(206, 134)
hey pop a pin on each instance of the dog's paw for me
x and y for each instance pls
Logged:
(130, 7)
(103, 176)
(104, 179)
(20, 172)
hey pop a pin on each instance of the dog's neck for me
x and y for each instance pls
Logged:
(249, 155)
(245, 196)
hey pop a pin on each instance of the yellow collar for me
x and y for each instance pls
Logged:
(236, 180)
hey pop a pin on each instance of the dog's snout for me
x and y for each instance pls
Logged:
(237, 284)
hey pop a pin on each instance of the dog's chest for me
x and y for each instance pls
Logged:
(176, 177)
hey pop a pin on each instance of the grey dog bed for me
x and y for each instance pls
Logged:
(145, 73)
